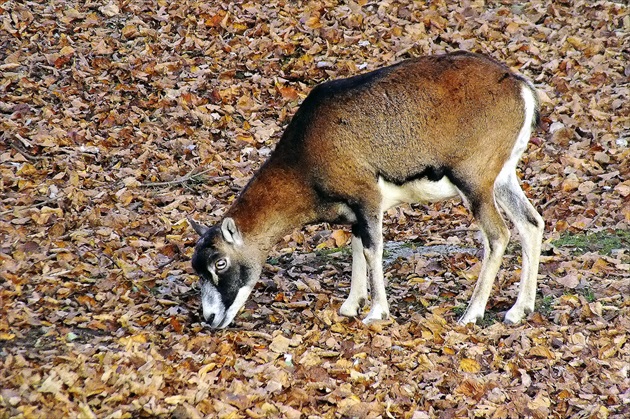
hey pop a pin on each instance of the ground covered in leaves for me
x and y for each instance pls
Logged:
(121, 119)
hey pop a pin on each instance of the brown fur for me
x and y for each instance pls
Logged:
(357, 146)
(432, 113)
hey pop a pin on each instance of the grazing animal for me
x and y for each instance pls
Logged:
(423, 130)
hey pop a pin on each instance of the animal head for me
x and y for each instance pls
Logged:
(227, 270)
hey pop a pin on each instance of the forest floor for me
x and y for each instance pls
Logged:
(119, 120)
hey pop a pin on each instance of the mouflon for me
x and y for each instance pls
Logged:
(422, 130)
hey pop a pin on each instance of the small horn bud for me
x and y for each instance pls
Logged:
(198, 227)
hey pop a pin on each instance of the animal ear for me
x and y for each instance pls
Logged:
(199, 228)
(230, 232)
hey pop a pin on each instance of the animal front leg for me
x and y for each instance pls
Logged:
(372, 239)
(358, 285)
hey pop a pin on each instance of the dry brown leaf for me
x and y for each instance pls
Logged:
(98, 296)
(469, 365)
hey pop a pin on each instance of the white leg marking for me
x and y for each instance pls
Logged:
(374, 257)
(358, 285)
(493, 253)
(530, 227)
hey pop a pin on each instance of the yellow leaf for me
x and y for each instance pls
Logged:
(570, 280)
(245, 103)
(27, 170)
(512, 27)
(563, 395)
(570, 299)
(100, 47)
(110, 10)
(51, 384)
(542, 351)
(86, 412)
(124, 196)
(175, 399)
(280, 344)
(321, 246)
(448, 351)
(246, 138)
(623, 189)
(140, 338)
(313, 22)
(73, 13)
(268, 408)
(67, 50)
(357, 376)
(128, 341)
(347, 403)
(206, 369)
(570, 183)
(607, 352)
(469, 365)
(74, 178)
(575, 42)
(341, 237)
(129, 31)
(310, 359)
(472, 273)
(131, 182)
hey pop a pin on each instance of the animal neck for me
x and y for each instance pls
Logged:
(276, 201)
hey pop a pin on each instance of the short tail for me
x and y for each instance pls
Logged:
(536, 120)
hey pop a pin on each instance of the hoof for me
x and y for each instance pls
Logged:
(351, 308)
(469, 317)
(515, 315)
(376, 314)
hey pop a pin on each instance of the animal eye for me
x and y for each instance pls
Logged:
(221, 264)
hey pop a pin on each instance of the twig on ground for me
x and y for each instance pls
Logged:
(177, 181)
(550, 202)
(20, 148)
(39, 204)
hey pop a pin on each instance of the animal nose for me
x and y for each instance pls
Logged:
(208, 319)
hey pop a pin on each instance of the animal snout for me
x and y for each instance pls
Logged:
(209, 318)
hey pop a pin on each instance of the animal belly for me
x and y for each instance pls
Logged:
(421, 190)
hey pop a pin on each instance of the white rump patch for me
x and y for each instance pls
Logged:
(523, 136)
(421, 190)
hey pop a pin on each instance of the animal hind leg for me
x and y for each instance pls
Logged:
(496, 236)
(530, 227)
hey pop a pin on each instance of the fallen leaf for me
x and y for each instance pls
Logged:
(469, 365)
(280, 344)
